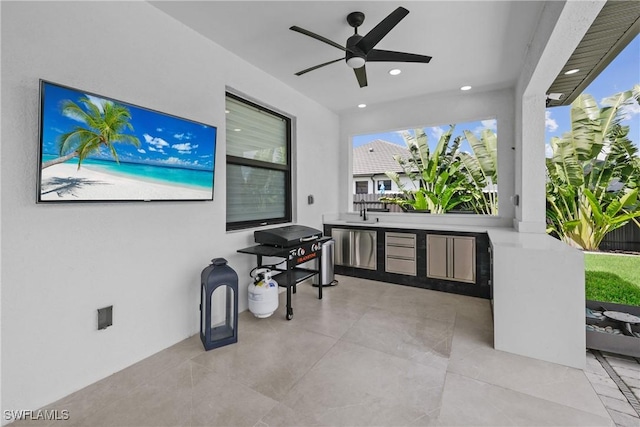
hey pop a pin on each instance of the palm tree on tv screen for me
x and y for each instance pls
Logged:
(104, 127)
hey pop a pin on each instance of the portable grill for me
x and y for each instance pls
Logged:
(297, 244)
(287, 237)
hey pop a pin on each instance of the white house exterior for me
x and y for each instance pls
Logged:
(371, 161)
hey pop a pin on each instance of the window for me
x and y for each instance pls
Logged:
(362, 187)
(258, 165)
(384, 185)
(464, 152)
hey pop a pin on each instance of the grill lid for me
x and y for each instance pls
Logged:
(287, 236)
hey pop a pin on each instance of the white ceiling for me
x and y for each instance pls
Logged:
(477, 43)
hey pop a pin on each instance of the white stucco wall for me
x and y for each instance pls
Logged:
(62, 262)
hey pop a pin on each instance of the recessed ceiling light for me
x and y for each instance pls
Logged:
(237, 130)
(226, 111)
(575, 70)
(362, 105)
(465, 88)
(395, 71)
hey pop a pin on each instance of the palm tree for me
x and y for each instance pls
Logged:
(438, 182)
(104, 127)
(482, 168)
(594, 174)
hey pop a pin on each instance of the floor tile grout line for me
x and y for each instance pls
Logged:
(510, 390)
(337, 340)
(626, 391)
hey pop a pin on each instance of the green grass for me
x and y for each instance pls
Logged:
(612, 278)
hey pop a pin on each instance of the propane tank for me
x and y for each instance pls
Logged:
(263, 294)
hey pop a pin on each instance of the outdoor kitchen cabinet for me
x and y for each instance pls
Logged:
(400, 253)
(355, 248)
(451, 257)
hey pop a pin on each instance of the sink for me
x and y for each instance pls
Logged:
(359, 221)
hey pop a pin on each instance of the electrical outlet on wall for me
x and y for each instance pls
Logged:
(105, 317)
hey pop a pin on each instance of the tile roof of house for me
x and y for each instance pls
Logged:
(376, 157)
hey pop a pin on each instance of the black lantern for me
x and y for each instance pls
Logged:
(219, 289)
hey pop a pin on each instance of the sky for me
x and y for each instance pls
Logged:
(433, 134)
(621, 75)
(165, 140)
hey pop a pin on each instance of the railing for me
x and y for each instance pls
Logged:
(373, 203)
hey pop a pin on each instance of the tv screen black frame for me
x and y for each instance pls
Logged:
(119, 151)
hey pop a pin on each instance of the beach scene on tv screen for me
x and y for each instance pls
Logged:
(95, 148)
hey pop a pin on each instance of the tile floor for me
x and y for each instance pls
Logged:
(367, 354)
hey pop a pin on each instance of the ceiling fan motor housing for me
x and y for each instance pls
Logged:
(354, 56)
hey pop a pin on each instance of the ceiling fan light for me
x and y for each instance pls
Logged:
(355, 62)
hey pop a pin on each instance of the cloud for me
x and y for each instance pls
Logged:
(181, 136)
(140, 150)
(548, 151)
(550, 123)
(490, 124)
(174, 161)
(155, 143)
(159, 129)
(73, 115)
(437, 132)
(98, 102)
(184, 148)
(628, 110)
(158, 142)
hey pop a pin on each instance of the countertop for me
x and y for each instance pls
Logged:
(499, 234)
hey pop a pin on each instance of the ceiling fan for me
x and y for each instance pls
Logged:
(360, 49)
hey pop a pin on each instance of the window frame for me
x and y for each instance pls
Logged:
(384, 181)
(361, 182)
(259, 164)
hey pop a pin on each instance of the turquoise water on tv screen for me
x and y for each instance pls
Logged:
(200, 179)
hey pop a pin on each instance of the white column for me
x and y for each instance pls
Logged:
(530, 212)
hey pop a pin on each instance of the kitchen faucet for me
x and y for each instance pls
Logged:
(363, 209)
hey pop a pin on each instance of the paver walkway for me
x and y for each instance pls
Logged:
(616, 379)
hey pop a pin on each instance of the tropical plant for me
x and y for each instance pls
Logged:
(104, 127)
(594, 174)
(436, 176)
(482, 168)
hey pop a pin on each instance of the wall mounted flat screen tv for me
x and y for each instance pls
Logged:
(98, 149)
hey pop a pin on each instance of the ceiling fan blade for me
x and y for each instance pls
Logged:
(299, 73)
(316, 36)
(376, 55)
(372, 38)
(361, 75)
